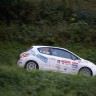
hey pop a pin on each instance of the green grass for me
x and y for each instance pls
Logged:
(9, 53)
(19, 82)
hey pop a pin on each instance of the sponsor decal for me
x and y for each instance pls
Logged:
(58, 67)
(74, 62)
(65, 68)
(74, 65)
(65, 62)
(33, 53)
(42, 58)
(58, 61)
(52, 59)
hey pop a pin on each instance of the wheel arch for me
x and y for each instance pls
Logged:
(37, 66)
(86, 67)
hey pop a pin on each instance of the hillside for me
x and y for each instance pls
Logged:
(56, 21)
(63, 23)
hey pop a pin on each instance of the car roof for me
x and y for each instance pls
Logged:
(49, 46)
(37, 46)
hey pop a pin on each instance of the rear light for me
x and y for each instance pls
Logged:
(24, 55)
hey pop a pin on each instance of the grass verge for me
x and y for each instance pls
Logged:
(19, 82)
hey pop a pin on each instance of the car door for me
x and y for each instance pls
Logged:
(43, 57)
(54, 63)
(63, 60)
(76, 61)
(63, 64)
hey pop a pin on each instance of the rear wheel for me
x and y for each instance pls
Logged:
(86, 71)
(31, 65)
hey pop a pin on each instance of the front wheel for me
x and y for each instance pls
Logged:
(31, 65)
(85, 71)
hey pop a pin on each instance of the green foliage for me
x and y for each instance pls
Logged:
(47, 11)
(77, 31)
(39, 83)
(64, 23)
(9, 53)
(43, 22)
(49, 22)
(23, 11)
(80, 32)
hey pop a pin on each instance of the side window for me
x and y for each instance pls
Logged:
(61, 53)
(44, 50)
(74, 57)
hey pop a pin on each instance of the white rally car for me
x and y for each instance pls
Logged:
(55, 59)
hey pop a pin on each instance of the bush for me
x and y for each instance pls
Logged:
(19, 82)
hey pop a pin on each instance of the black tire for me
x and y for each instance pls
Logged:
(31, 65)
(85, 71)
